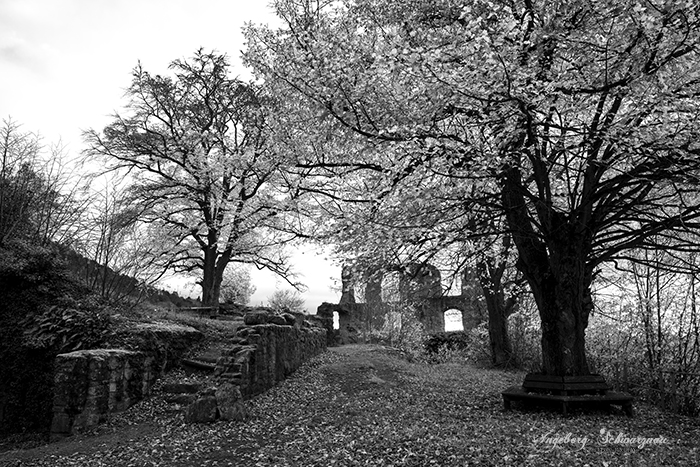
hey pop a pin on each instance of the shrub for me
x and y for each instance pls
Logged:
(401, 329)
(30, 277)
(38, 298)
(68, 326)
(411, 337)
(30, 274)
(619, 350)
(525, 335)
(459, 346)
(456, 340)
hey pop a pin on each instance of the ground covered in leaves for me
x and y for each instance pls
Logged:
(366, 406)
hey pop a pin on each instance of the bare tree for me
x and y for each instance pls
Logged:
(41, 197)
(236, 286)
(121, 255)
(202, 172)
(286, 300)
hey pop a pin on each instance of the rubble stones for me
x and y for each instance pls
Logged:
(257, 317)
(289, 319)
(202, 410)
(277, 319)
(230, 402)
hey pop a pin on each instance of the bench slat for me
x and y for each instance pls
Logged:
(515, 393)
(566, 386)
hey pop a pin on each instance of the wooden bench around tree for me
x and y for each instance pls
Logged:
(203, 311)
(564, 391)
(517, 393)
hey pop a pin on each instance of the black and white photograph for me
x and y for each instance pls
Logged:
(349, 233)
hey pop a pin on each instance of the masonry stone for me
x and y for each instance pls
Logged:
(257, 317)
(420, 284)
(90, 384)
(230, 402)
(202, 410)
(269, 353)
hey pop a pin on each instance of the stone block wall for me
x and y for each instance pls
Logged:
(90, 384)
(265, 352)
(167, 342)
(269, 353)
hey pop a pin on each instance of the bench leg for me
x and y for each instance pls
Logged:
(563, 408)
(629, 410)
(506, 403)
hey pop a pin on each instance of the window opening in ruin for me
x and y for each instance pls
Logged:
(453, 320)
(336, 320)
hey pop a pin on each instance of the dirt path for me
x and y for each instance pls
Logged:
(364, 405)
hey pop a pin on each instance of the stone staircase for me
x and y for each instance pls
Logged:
(181, 393)
(201, 363)
(197, 372)
(196, 391)
(263, 352)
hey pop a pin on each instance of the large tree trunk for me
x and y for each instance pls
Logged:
(211, 285)
(209, 297)
(498, 309)
(554, 262)
(215, 263)
(564, 302)
(501, 351)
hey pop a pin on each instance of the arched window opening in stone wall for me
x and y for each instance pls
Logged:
(336, 320)
(453, 320)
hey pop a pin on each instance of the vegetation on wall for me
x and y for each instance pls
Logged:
(32, 278)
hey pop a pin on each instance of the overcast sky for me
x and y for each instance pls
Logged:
(64, 65)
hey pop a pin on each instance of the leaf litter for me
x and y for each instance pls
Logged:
(363, 405)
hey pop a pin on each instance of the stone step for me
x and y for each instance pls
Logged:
(207, 358)
(181, 399)
(181, 393)
(199, 364)
(182, 388)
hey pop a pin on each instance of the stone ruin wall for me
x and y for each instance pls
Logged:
(419, 284)
(266, 351)
(91, 384)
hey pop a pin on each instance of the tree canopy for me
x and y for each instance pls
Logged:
(39, 199)
(195, 148)
(575, 122)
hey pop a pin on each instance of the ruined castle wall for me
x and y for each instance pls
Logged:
(266, 351)
(91, 384)
(265, 354)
